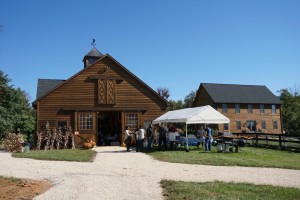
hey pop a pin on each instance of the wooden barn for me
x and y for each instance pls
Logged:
(250, 108)
(98, 102)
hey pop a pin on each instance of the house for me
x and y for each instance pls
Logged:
(98, 101)
(250, 108)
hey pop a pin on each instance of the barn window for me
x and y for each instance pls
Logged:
(131, 120)
(85, 121)
(91, 61)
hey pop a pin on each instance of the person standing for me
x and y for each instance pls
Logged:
(200, 136)
(141, 137)
(128, 138)
(208, 137)
(162, 136)
(149, 137)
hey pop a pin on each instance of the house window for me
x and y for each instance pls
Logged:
(238, 125)
(250, 108)
(237, 108)
(85, 121)
(273, 109)
(251, 125)
(224, 108)
(263, 125)
(275, 125)
(262, 108)
(226, 127)
(131, 120)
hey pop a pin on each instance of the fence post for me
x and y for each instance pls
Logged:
(280, 142)
(256, 137)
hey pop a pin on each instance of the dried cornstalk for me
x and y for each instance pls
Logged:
(72, 138)
(39, 140)
(47, 138)
(53, 138)
(58, 139)
(66, 139)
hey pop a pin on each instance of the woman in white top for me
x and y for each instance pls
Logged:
(128, 138)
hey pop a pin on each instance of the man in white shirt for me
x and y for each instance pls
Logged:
(140, 136)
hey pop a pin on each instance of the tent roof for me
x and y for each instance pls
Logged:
(197, 115)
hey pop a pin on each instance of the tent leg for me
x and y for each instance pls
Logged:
(187, 140)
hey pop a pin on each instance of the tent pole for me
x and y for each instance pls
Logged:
(187, 140)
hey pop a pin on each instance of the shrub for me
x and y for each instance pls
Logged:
(13, 142)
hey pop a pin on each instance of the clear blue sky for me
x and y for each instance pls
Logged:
(166, 43)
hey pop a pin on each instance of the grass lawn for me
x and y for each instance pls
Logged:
(247, 156)
(79, 155)
(221, 190)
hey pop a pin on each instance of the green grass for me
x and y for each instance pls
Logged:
(78, 155)
(247, 156)
(11, 179)
(173, 190)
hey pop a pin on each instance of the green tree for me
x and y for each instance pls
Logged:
(175, 105)
(189, 99)
(290, 111)
(16, 113)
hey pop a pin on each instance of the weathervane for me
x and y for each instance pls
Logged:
(93, 43)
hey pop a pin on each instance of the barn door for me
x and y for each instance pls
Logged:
(111, 91)
(106, 91)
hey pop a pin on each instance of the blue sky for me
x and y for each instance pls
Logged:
(170, 43)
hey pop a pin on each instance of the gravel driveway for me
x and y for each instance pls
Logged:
(117, 174)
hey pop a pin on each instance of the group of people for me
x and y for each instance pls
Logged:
(140, 137)
(204, 136)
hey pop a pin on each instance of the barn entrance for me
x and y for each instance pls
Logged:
(109, 128)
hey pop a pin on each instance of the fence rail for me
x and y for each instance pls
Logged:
(272, 137)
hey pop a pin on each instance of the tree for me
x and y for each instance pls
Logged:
(189, 99)
(16, 113)
(290, 111)
(163, 92)
(175, 105)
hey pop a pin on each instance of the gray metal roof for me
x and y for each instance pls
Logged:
(94, 53)
(46, 85)
(230, 93)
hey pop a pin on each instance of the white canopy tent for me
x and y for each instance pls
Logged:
(197, 115)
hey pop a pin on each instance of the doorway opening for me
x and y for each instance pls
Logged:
(109, 128)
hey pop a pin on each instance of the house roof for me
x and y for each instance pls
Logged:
(49, 85)
(94, 53)
(46, 85)
(231, 93)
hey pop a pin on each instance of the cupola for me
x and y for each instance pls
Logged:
(91, 57)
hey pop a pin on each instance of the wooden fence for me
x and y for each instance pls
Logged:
(270, 137)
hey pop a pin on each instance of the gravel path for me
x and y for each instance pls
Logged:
(116, 174)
